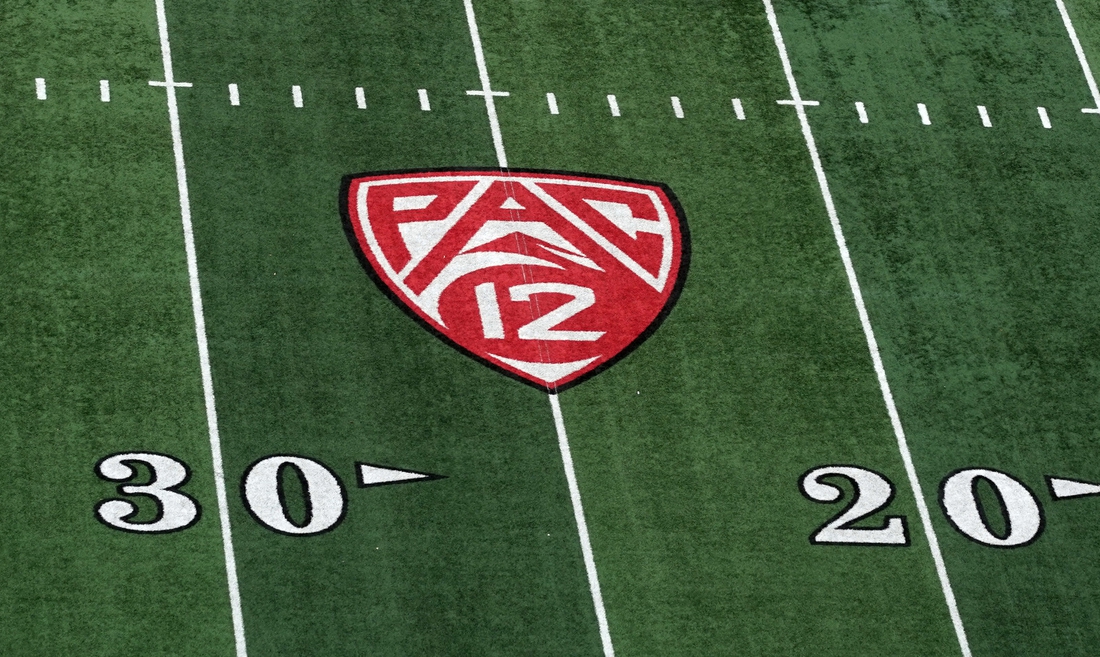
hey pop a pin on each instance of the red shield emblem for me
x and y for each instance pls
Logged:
(549, 277)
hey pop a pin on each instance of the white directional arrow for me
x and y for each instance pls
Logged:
(1061, 489)
(371, 474)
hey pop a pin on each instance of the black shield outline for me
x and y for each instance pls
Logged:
(380, 281)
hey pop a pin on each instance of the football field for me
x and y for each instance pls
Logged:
(519, 327)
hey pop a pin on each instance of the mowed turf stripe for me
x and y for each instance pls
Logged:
(869, 333)
(97, 351)
(311, 359)
(689, 451)
(976, 253)
(170, 85)
(555, 405)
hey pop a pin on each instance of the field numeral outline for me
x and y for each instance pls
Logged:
(176, 510)
(264, 495)
(1022, 514)
(262, 492)
(1021, 511)
(871, 493)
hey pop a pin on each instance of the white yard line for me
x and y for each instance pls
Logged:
(105, 91)
(582, 527)
(869, 334)
(360, 98)
(296, 96)
(613, 103)
(170, 85)
(555, 407)
(1091, 81)
(486, 90)
(552, 102)
(40, 88)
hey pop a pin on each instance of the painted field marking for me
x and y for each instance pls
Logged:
(861, 111)
(738, 109)
(555, 406)
(676, 108)
(984, 114)
(552, 102)
(1091, 81)
(104, 91)
(40, 88)
(425, 106)
(1043, 117)
(360, 98)
(1066, 489)
(234, 95)
(296, 94)
(922, 109)
(613, 103)
(869, 335)
(486, 90)
(170, 86)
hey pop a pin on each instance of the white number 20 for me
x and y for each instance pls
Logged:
(871, 492)
(175, 510)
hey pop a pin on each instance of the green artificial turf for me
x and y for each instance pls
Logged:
(975, 248)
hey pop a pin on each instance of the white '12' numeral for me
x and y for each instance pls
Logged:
(542, 328)
(175, 510)
(871, 492)
(492, 325)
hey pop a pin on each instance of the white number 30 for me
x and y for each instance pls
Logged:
(175, 510)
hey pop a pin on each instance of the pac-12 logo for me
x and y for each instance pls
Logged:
(548, 277)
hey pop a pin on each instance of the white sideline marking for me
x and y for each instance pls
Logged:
(424, 104)
(234, 95)
(984, 114)
(862, 112)
(170, 85)
(552, 101)
(738, 109)
(872, 343)
(922, 109)
(360, 98)
(40, 88)
(1043, 117)
(104, 91)
(555, 407)
(676, 108)
(1091, 81)
(613, 103)
(296, 94)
